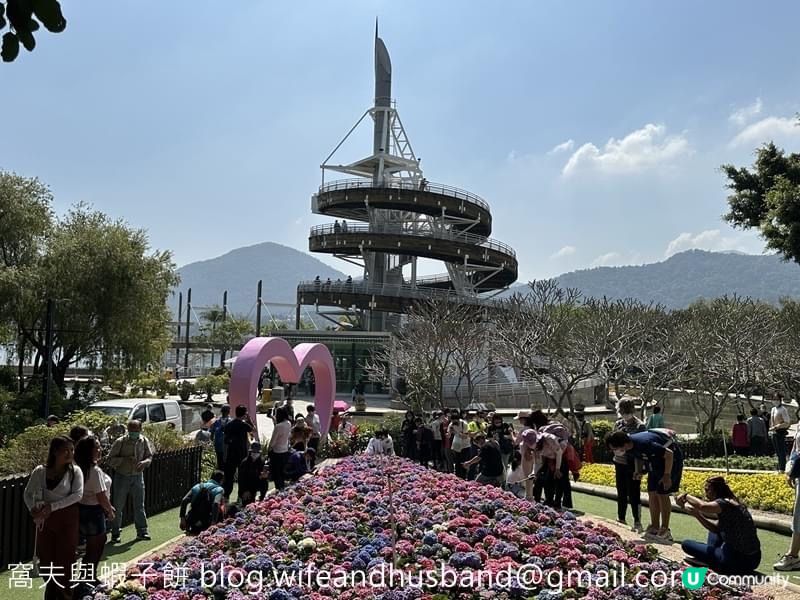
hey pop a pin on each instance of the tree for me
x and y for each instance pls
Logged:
(649, 359)
(231, 333)
(767, 198)
(23, 18)
(554, 337)
(211, 317)
(423, 350)
(26, 218)
(110, 293)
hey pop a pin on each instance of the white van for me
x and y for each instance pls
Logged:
(146, 410)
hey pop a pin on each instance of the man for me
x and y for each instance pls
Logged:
(237, 441)
(130, 455)
(312, 418)
(460, 443)
(757, 433)
(665, 459)
(490, 459)
(779, 427)
(586, 433)
(436, 446)
(218, 434)
(423, 435)
(205, 503)
(252, 476)
(501, 433)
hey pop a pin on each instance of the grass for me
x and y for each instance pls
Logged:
(773, 545)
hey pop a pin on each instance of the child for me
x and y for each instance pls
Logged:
(516, 480)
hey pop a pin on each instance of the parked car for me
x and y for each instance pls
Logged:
(146, 410)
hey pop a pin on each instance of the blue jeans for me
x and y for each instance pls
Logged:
(122, 486)
(721, 557)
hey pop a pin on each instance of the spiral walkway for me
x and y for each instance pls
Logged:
(443, 223)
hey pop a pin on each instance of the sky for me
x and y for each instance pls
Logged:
(595, 130)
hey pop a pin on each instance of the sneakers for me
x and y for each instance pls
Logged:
(115, 538)
(143, 536)
(637, 527)
(787, 563)
(622, 522)
(656, 535)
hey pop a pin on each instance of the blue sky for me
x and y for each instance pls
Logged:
(594, 129)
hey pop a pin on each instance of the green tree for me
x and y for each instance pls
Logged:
(110, 293)
(23, 17)
(767, 197)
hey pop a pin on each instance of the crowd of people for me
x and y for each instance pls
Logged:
(75, 504)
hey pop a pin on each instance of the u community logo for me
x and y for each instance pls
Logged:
(694, 577)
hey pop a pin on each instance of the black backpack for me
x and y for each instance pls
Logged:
(199, 517)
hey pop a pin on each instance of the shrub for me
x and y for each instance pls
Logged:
(164, 438)
(757, 463)
(29, 448)
(601, 428)
(211, 384)
(172, 388)
(185, 390)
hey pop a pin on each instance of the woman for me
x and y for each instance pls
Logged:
(550, 466)
(504, 436)
(279, 448)
(791, 560)
(629, 489)
(94, 507)
(408, 428)
(460, 444)
(732, 547)
(52, 495)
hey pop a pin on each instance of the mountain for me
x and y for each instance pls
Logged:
(688, 276)
(238, 271)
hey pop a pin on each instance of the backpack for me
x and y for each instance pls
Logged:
(199, 517)
(573, 460)
(558, 430)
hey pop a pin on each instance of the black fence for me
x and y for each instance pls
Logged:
(166, 481)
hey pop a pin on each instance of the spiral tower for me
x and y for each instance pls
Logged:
(392, 216)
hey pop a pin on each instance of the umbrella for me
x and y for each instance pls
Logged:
(341, 406)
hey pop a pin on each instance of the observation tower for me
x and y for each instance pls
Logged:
(388, 216)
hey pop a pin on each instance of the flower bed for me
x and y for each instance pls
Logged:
(340, 522)
(763, 491)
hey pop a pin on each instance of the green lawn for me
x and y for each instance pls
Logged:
(773, 545)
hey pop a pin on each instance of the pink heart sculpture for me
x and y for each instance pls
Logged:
(290, 364)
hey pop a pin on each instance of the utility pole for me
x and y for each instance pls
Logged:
(188, 313)
(178, 338)
(48, 371)
(258, 310)
(224, 318)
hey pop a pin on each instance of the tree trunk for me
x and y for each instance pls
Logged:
(21, 365)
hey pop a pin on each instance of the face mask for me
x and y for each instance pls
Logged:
(619, 452)
(134, 435)
(627, 417)
(255, 455)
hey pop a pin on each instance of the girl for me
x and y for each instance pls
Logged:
(52, 496)
(94, 507)
(732, 547)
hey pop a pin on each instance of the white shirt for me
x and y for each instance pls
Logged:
(63, 495)
(98, 482)
(375, 446)
(461, 439)
(279, 442)
(314, 422)
(779, 415)
(388, 446)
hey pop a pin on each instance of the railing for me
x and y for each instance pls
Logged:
(166, 481)
(390, 290)
(450, 236)
(436, 188)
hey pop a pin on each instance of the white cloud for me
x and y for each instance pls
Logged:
(767, 129)
(563, 147)
(564, 252)
(608, 259)
(742, 116)
(710, 239)
(644, 148)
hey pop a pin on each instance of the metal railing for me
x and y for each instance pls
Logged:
(393, 290)
(436, 188)
(448, 235)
